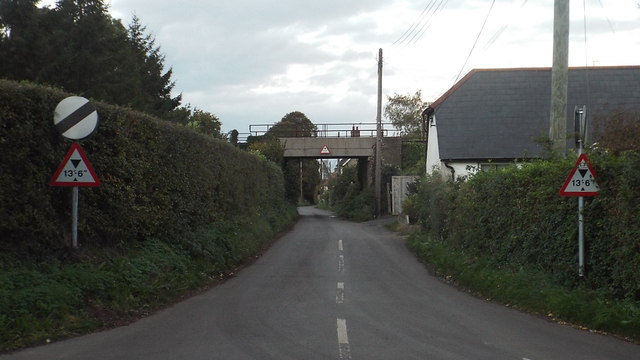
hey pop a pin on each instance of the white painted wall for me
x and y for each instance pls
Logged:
(460, 169)
(433, 149)
(434, 164)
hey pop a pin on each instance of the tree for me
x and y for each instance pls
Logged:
(180, 115)
(88, 51)
(618, 132)
(405, 112)
(271, 148)
(156, 97)
(25, 34)
(233, 137)
(206, 123)
(79, 47)
(199, 120)
(296, 124)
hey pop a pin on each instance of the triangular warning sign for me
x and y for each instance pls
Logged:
(581, 180)
(325, 150)
(75, 170)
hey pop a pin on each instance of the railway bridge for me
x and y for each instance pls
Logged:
(341, 141)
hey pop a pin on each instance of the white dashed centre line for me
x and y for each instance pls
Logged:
(344, 353)
(340, 293)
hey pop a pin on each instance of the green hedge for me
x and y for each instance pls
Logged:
(159, 179)
(175, 210)
(515, 218)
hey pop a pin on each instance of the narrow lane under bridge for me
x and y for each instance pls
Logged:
(342, 141)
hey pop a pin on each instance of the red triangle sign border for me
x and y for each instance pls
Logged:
(75, 147)
(563, 190)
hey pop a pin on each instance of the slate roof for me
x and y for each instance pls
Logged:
(497, 113)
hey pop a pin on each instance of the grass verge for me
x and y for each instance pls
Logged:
(530, 289)
(44, 302)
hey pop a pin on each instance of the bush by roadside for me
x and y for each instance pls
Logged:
(532, 289)
(175, 210)
(509, 229)
(51, 300)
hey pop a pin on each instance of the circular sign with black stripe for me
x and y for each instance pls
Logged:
(75, 118)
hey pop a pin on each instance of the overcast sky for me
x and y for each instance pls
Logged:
(253, 61)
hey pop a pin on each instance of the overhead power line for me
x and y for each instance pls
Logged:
(428, 23)
(476, 41)
(503, 28)
(411, 28)
(422, 22)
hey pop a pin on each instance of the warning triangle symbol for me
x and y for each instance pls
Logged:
(581, 180)
(75, 170)
(325, 150)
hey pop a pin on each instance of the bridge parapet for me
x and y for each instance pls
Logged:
(328, 147)
(331, 130)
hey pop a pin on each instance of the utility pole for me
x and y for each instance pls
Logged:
(301, 201)
(378, 180)
(560, 77)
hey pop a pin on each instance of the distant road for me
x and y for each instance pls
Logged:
(332, 289)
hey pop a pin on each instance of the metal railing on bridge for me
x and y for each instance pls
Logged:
(361, 129)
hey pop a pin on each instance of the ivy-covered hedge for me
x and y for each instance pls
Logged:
(515, 218)
(159, 180)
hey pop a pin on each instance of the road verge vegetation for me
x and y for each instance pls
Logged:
(176, 211)
(348, 198)
(507, 235)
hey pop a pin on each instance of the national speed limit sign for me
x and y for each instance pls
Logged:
(75, 118)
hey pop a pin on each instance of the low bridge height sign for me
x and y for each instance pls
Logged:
(580, 183)
(75, 170)
(581, 180)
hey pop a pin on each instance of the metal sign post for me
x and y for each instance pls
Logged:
(580, 116)
(75, 195)
(75, 171)
(76, 119)
(581, 181)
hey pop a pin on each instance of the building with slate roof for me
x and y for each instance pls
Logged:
(492, 117)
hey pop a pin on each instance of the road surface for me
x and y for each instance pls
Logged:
(332, 289)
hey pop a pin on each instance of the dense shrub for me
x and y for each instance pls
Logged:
(515, 218)
(530, 288)
(430, 204)
(347, 198)
(159, 179)
(353, 200)
(612, 227)
(175, 209)
(618, 132)
(413, 158)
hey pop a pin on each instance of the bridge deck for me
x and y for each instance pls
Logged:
(328, 147)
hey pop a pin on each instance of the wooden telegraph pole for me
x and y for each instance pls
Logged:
(378, 174)
(560, 77)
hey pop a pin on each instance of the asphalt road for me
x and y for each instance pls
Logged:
(332, 289)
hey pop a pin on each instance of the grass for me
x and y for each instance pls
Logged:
(531, 289)
(42, 302)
